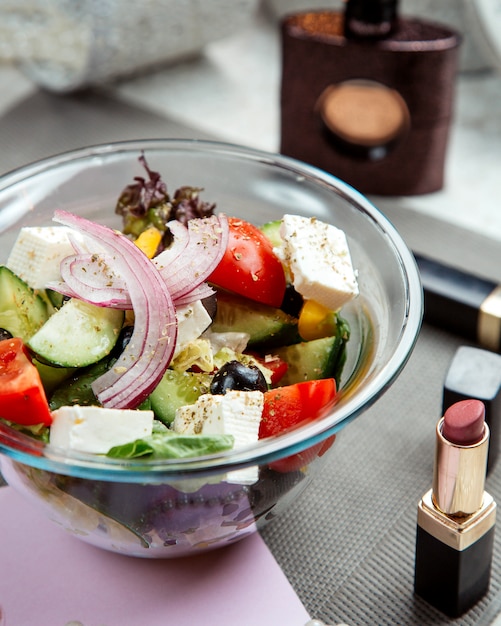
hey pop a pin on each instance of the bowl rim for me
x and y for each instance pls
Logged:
(26, 450)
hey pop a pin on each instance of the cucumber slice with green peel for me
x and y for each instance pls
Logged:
(177, 389)
(51, 376)
(267, 326)
(272, 232)
(77, 389)
(78, 334)
(312, 360)
(22, 311)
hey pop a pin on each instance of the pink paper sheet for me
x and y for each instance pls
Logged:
(49, 578)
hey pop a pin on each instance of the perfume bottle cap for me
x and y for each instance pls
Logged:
(370, 18)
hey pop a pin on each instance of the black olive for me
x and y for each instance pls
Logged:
(5, 334)
(236, 375)
(210, 304)
(122, 341)
(292, 302)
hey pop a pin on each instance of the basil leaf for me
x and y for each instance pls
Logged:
(169, 445)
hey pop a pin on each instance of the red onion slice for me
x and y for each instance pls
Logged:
(208, 239)
(121, 276)
(146, 357)
(199, 293)
(89, 277)
(184, 266)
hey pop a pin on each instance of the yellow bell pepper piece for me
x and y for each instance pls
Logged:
(149, 240)
(316, 321)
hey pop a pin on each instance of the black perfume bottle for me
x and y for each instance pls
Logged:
(368, 95)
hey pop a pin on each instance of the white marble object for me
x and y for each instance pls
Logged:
(64, 45)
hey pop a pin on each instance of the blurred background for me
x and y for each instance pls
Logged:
(101, 70)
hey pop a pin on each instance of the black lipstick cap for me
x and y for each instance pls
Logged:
(476, 373)
(461, 303)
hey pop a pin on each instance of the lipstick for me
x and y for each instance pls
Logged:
(462, 303)
(456, 517)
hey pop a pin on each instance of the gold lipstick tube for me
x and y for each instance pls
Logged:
(459, 474)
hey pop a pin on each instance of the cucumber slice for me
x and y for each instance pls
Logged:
(55, 298)
(78, 388)
(52, 377)
(22, 311)
(77, 335)
(177, 389)
(312, 360)
(272, 232)
(267, 326)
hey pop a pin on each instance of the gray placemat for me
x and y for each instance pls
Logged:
(347, 544)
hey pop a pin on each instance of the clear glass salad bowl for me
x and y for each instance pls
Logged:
(164, 509)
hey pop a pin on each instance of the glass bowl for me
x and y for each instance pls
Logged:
(164, 509)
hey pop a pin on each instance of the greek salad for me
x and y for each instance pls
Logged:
(185, 333)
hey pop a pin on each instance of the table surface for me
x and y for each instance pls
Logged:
(350, 568)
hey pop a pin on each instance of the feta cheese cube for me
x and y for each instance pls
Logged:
(96, 429)
(319, 260)
(192, 320)
(236, 413)
(38, 252)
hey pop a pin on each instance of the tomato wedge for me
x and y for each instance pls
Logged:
(22, 396)
(289, 406)
(249, 266)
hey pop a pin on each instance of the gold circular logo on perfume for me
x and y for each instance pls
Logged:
(364, 116)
